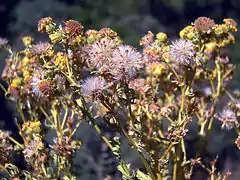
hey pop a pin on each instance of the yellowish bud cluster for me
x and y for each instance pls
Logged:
(60, 60)
(32, 127)
(156, 69)
(27, 40)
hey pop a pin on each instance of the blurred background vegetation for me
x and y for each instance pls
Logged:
(131, 19)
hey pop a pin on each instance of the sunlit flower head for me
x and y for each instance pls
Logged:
(40, 48)
(100, 52)
(227, 118)
(126, 61)
(93, 86)
(182, 51)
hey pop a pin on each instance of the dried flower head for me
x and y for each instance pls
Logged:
(63, 146)
(93, 86)
(104, 32)
(204, 24)
(40, 48)
(74, 29)
(43, 23)
(228, 119)
(41, 87)
(237, 142)
(182, 51)
(100, 52)
(125, 62)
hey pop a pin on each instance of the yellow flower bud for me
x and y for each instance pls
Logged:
(27, 40)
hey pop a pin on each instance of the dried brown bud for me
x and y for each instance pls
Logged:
(74, 29)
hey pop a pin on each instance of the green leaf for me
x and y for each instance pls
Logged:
(142, 176)
(125, 170)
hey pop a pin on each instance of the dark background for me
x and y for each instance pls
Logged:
(131, 19)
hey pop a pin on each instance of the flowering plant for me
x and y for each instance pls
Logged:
(150, 97)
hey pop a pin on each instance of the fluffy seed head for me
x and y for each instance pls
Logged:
(40, 48)
(228, 119)
(125, 62)
(92, 86)
(182, 51)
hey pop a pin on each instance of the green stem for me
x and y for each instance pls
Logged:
(80, 103)
(21, 112)
(4, 169)
(14, 141)
(144, 161)
(46, 115)
(173, 70)
(184, 150)
(175, 167)
(3, 88)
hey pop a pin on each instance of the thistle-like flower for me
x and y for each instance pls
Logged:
(125, 62)
(40, 49)
(182, 51)
(41, 87)
(228, 119)
(93, 86)
(100, 52)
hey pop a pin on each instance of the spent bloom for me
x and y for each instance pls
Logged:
(126, 61)
(40, 48)
(204, 24)
(93, 86)
(237, 142)
(33, 148)
(228, 119)
(140, 85)
(40, 86)
(182, 51)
